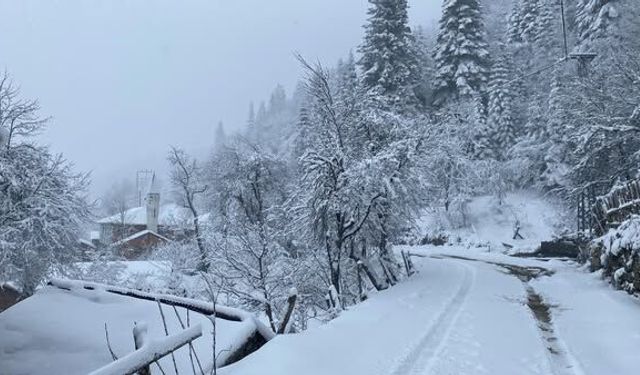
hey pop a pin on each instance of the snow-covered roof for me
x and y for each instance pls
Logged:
(170, 215)
(138, 235)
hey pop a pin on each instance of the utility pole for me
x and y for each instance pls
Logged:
(564, 31)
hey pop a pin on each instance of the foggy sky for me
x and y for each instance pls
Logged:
(124, 79)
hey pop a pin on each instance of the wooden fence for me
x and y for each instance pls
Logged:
(613, 208)
(139, 361)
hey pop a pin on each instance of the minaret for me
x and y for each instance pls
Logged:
(152, 201)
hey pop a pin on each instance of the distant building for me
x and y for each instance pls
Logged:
(139, 230)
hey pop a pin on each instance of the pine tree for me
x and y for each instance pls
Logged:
(514, 35)
(536, 124)
(422, 46)
(388, 62)
(461, 51)
(535, 23)
(347, 76)
(220, 138)
(501, 104)
(594, 18)
(548, 29)
(251, 123)
(558, 126)
(529, 14)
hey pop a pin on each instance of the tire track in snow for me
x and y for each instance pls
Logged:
(421, 357)
(561, 361)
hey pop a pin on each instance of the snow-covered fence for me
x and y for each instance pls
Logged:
(408, 263)
(615, 207)
(147, 353)
(255, 333)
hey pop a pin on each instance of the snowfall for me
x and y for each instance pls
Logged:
(468, 310)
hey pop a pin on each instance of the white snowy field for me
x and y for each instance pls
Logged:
(63, 332)
(468, 317)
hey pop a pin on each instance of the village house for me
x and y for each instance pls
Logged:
(137, 231)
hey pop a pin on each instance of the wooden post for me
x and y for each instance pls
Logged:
(291, 301)
(139, 361)
(139, 336)
(407, 263)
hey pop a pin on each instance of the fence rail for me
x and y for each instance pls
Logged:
(611, 209)
(140, 360)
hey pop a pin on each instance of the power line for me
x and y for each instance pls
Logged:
(538, 71)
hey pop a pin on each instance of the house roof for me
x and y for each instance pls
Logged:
(138, 235)
(170, 215)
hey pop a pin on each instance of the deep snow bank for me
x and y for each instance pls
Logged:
(63, 332)
(617, 253)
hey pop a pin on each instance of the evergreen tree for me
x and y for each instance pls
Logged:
(514, 35)
(529, 15)
(548, 36)
(535, 126)
(422, 45)
(501, 104)
(558, 125)
(461, 51)
(388, 61)
(220, 138)
(278, 101)
(251, 123)
(594, 18)
(535, 23)
(347, 77)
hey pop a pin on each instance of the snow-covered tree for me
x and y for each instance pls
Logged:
(251, 254)
(388, 62)
(461, 54)
(500, 119)
(594, 18)
(187, 180)
(42, 201)
(220, 138)
(423, 46)
(355, 180)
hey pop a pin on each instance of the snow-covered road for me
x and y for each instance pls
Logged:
(459, 316)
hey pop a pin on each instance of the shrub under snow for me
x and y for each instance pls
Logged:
(617, 253)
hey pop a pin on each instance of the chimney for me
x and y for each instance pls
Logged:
(152, 201)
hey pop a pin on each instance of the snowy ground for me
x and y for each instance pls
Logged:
(63, 332)
(467, 311)
(491, 222)
(459, 316)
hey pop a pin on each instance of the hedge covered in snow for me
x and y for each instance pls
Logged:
(617, 254)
